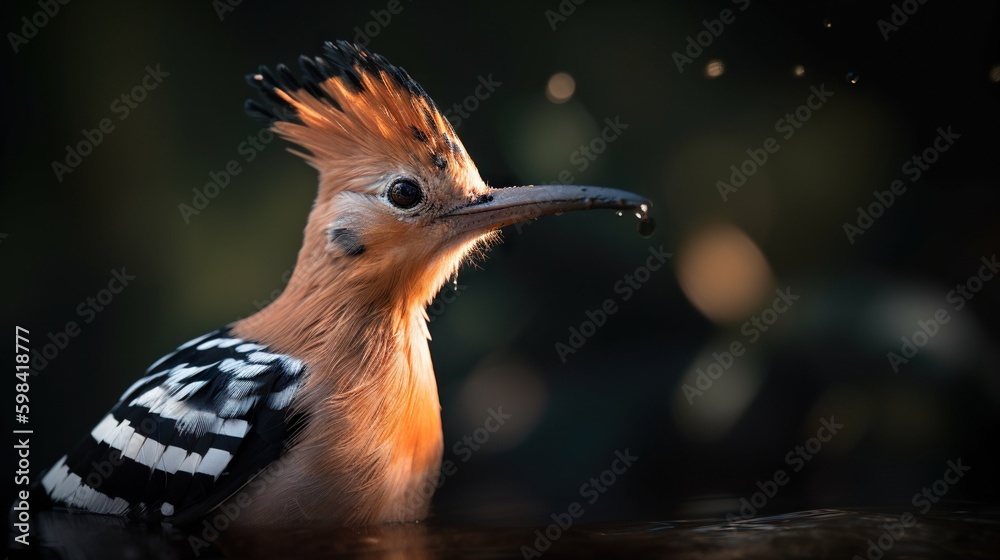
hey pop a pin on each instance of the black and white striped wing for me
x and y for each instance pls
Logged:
(203, 422)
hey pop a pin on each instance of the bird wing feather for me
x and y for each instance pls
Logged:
(204, 420)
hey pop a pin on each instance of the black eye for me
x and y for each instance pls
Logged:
(405, 194)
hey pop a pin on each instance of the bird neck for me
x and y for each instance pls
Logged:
(370, 394)
(327, 314)
(357, 311)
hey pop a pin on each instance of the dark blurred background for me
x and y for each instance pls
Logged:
(494, 344)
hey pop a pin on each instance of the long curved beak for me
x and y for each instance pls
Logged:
(507, 206)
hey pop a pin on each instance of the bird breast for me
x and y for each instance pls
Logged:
(371, 451)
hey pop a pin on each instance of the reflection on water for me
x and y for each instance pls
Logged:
(815, 534)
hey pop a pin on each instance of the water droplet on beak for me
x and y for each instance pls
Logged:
(646, 227)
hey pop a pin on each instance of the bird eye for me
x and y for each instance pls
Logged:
(405, 194)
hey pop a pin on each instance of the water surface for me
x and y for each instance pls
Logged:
(830, 533)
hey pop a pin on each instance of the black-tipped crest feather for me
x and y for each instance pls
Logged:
(340, 60)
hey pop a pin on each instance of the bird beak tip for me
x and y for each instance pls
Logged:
(507, 206)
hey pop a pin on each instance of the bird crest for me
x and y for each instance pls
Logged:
(351, 105)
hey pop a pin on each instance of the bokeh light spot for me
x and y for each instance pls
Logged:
(722, 395)
(560, 87)
(715, 68)
(723, 273)
(505, 382)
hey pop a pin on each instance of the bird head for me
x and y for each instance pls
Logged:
(400, 203)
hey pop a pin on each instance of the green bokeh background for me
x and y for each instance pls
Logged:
(119, 208)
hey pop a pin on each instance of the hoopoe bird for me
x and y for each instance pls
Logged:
(333, 380)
